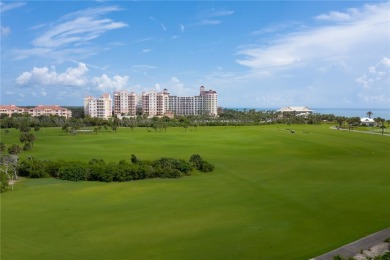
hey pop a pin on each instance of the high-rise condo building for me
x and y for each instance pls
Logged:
(158, 104)
(125, 103)
(98, 107)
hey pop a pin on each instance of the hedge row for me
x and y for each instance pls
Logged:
(99, 170)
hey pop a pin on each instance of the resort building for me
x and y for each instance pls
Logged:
(11, 109)
(295, 111)
(125, 103)
(162, 104)
(155, 104)
(42, 110)
(98, 107)
(367, 121)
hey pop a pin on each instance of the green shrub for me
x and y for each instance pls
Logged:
(3, 182)
(33, 168)
(206, 167)
(73, 171)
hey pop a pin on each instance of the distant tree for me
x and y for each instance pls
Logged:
(369, 114)
(24, 128)
(380, 121)
(134, 159)
(354, 121)
(2, 147)
(27, 146)
(14, 149)
(340, 120)
(383, 127)
(132, 124)
(27, 138)
(8, 167)
(185, 126)
(36, 128)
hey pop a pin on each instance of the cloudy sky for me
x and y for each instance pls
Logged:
(260, 54)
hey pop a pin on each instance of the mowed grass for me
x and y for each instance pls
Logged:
(273, 195)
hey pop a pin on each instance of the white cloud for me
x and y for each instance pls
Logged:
(219, 13)
(377, 74)
(386, 61)
(9, 6)
(163, 27)
(334, 16)
(335, 42)
(70, 32)
(45, 76)
(176, 87)
(279, 27)
(208, 17)
(144, 40)
(146, 50)
(143, 67)
(5, 31)
(74, 77)
(209, 22)
(105, 83)
(181, 27)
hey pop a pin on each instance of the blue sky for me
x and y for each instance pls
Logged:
(267, 54)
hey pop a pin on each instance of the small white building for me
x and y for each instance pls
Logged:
(367, 121)
(295, 111)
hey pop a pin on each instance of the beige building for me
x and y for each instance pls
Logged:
(154, 104)
(11, 109)
(159, 104)
(40, 110)
(125, 103)
(98, 107)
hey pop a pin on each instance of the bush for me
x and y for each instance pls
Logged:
(206, 167)
(200, 164)
(168, 164)
(33, 169)
(14, 149)
(196, 160)
(3, 182)
(98, 170)
(73, 171)
(27, 146)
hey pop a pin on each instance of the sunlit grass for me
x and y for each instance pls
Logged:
(273, 195)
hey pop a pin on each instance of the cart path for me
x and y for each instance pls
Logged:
(355, 247)
(359, 131)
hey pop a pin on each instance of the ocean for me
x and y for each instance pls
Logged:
(347, 112)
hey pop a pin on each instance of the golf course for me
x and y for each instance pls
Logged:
(273, 194)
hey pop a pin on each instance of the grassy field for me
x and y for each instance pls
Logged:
(273, 195)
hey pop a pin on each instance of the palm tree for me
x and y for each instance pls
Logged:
(369, 114)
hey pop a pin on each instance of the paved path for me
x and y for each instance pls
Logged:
(355, 247)
(359, 131)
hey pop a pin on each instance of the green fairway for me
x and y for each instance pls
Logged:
(273, 195)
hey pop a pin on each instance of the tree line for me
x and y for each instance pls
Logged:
(226, 117)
